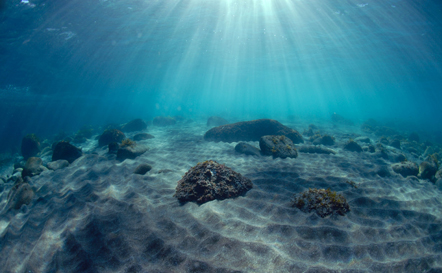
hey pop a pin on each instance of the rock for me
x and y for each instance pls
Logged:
(406, 168)
(164, 121)
(20, 194)
(251, 131)
(65, 150)
(278, 146)
(58, 164)
(338, 119)
(363, 139)
(314, 149)
(30, 146)
(208, 181)
(109, 136)
(323, 202)
(134, 125)
(352, 146)
(142, 136)
(399, 158)
(34, 166)
(382, 171)
(324, 140)
(130, 151)
(216, 121)
(113, 148)
(396, 143)
(142, 169)
(427, 169)
(371, 149)
(413, 137)
(247, 149)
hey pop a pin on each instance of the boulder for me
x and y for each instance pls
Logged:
(58, 164)
(314, 149)
(142, 136)
(216, 121)
(134, 125)
(323, 202)
(65, 150)
(324, 140)
(406, 168)
(30, 146)
(244, 148)
(109, 136)
(130, 151)
(20, 194)
(278, 146)
(164, 121)
(142, 169)
(210, 180)
(34, 166)
(251, 131)
(352, 146)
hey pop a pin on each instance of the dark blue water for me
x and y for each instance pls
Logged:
(65, 64)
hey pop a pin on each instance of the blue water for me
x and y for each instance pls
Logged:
(65, 64)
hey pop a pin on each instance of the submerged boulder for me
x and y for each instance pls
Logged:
(244, 148)
(30, 146)
(134, 125)
(109, 136)
(323, 202)
(251, 131)
(65, 150)
(210, 180)
(142, 169)
(278, 146)
(406, 168)
(216, 121)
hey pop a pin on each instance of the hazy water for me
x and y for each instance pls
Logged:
(69, 63)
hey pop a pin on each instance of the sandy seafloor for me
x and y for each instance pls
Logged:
(97, 216)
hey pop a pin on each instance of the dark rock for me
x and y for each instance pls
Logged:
(134, 125)
(130, 151)
(406, 168)
(20, 194)
(363, 139)
(59, 164)
(338, 119)
(142, 136)
(324, 140)
(382, 171)
(427, 169)
(209, 181)
(30, 146)
(414, 137)
(216, 121)
(65, 150)
(396, 143)
(371, 149)
(323, 202)
(314, 149)
(251, 131)
(278, 146)
(34, 166)
(352, 146)
(399, 158)
(142, 169)
(113, 148)
(164, 121)
(247, 149)
(109, 136)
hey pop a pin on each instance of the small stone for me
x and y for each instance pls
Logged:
(363, 139)
(323, 202)
(130, 151)
(142, 169)
(352, 146)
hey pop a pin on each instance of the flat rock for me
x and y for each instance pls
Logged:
(58, 164)
(34, 166)
(251, 131)
(134, 125)
(130, 151)
(65, 150)
(247, 149)
(313, 149)
(142, 136)
(406, 168)
(208, 181)
(277, 146)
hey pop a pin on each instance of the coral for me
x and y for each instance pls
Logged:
(323, 202)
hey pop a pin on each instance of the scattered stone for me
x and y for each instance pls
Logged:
(396, 143)
(208, 181)
(314, 149)
(58, 164)
(109, 136)
(216, 121)
(130, 150)
(406, 168)
(352, 146)
(428, 169)
(142, 169)
(382, 171)
(142, 136)
(251, 131)
(134, 125)
(164, 121)
(324, 140)
(34, 166)
(65, 150)
(413, 137)
(30, 146)
(113, 148)
(363, 139)
(323, 202)
(278, 146)
(20, 194)
(247, 149)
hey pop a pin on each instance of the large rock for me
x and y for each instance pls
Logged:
(109, 136)
(66, 151)
(164, 121)
(30, 146)
(406, 168)
(244, 148)
(216, 121)
(209, 181)
(134, 125)
(20, 194)
(130, 150)
(34, 166)
(278, 146)
(251, 131)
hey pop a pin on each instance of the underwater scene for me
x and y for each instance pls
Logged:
(220, 136)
